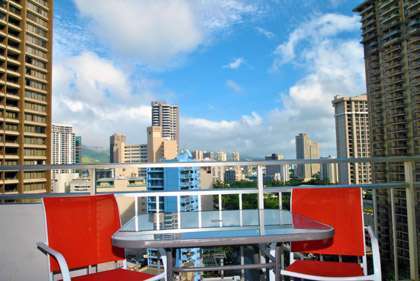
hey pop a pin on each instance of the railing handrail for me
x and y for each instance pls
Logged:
(210, 163)
(202, 192)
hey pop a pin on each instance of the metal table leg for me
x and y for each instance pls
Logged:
(278, 263)
(276, 251)
(169, 266)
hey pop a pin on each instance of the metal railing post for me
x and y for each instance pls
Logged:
(260, 182)
(92, 175)
(375, 211)
(178, 210)
(200, 219)
(394, 234)
(410, 192)
(157, 213)
(136, 213)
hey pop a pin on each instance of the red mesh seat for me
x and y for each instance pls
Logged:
(330, 269)
(342, 209)
(79, 232)
(114, 275)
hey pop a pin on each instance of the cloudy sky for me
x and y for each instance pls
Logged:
(247, 75)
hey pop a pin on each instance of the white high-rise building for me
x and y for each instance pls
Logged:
(63, 144)
(352, 135)
(221, 156)
(63, 151)
(166, 116)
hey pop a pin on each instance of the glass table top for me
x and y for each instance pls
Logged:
(227, 227)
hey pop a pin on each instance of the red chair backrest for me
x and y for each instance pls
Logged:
(338, 207)
(81, 228)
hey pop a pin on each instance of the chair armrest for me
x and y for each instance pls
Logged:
(375, 253)
(59, 257)
(164, 259)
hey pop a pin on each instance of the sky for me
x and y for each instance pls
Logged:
(248, 75)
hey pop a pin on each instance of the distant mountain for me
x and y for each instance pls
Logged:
(94, 154)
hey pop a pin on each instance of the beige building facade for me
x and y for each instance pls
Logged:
(25, 92)
(117, 148)
(307, 149)
(329, 172)
(198, 155)
(352, 137)
(160, 148)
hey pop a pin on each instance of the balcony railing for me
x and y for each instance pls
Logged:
(262, 192)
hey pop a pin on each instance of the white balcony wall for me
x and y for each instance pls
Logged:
(22, 225)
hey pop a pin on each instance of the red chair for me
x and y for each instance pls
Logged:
(342, 209)
(79, 231)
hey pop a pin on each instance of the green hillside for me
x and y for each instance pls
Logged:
(92, 155)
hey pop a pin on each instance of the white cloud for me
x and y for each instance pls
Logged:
(314, 31)
(233, 86)
(268, 34)
(235, 64)
(159, 31)
(96, 97)
(333, 66)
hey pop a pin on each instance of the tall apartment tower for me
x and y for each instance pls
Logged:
(160, 148)
(391, 38)
(221, 156)
(235, 156)
(197, 155)
(352, 137)
(135, 153)
(78, 159)
(63, 144)
(306, 149)
(116, 148)
(25, 92)
(277, 172)
(166, 116)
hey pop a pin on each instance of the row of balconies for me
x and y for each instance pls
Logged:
(413, 11)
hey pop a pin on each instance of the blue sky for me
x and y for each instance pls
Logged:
(248, 75)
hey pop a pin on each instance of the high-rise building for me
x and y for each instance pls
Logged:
(198, 155)
(390, 31)
(25, 92)
(166, 116)
(352, 137)
(279, 173)
(329, 172)
(63, 152)
(208, 155)
(174, 179)
(306, 149)
(236, 156)
(221, 156)
(135, 153)
(78, 148)
(63, 144)
(230, 176)
(116, 148)
(160, 148)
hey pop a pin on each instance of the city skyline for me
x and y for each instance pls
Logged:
(272, 65)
